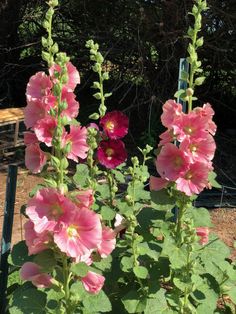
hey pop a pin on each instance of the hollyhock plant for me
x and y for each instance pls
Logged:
(39, 85)
(84, 198)
(36, 242)
(32, 272)
(115, 124)
(72, 109)
(33, 112)
(79, 233)
(207, 112)
(172, 162)
(47, 207)
(111, 153)
(195, 178)
(199, 149)
(203, 234)
(171, 111)
(44, 130)
(108, 242)
(73, 76)
(77, 138)
(30, 138)
(190, 125)
(35, 158)
(157, 183)
(93, 282)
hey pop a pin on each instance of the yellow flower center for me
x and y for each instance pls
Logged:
(193, 148)
(178, 161)
(109, 152)
(72, 231)
(56, 211)
(189, 129)
(188, 175)
(110, 126)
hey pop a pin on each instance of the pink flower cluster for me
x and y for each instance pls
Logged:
(189, 163)
(42, 124)
(76, 230)
(111, 151)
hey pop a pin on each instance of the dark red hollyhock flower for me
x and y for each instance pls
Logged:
(115, 124)
(111, 153)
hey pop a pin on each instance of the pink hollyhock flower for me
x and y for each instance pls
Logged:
(111, 153)
(30, 138)
(172, 162)
(157, 184)
(207, 112)
(36, 242)
(84, 198)
(39, 86)
(171, 111)
(203, 233)
(34, 112)
(190, 125)
(44, 130)
(93, 282)
(79, 147)
(72, 109)
(108, 242)
(120, 224)
(47, 208)
(199, 149)
(73, 76)
(195, 179)
(35, 158)
(167, 137)
(32, 272)
(115, 124)
(79, 233)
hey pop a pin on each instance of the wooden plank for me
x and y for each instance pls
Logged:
(11, 115)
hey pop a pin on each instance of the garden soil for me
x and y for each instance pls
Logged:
(224, 219)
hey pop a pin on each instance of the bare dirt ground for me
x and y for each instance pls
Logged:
(224, 219)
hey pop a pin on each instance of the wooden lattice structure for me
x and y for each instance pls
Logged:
(10, 120)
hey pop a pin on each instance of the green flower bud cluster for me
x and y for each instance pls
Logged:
(97, 57)
(50, 47)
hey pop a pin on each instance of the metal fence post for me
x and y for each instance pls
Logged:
(7, 232)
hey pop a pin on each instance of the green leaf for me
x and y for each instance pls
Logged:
(97, 96)
(19, 254)
(98, 303)
(28, 300)
(144, 249)
(140, 272)
(119, 176)
(179, 93)
(107, 213)
(81, 175)
(177, 256)
(201, 216)
(107, 95)
(127, 263)
(199, 80)
(214, 251)
(232, 294)
(103, 190)
(162, 199)
(46, 259)
(104, 264)
(212, 180)
(133, 303)
(80, 269)
(158, 304)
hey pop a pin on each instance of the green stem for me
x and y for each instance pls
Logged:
(192, 72)
(66, 282)
(102, 108)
